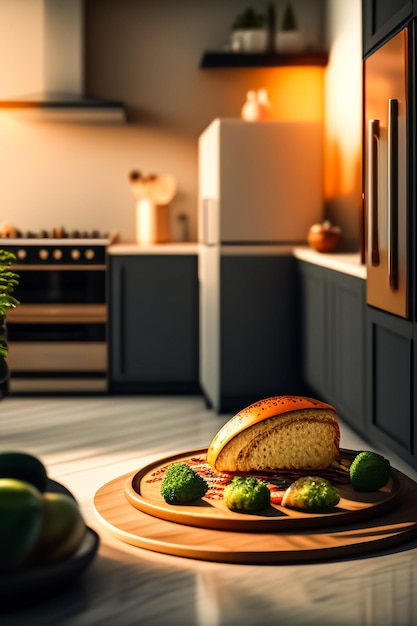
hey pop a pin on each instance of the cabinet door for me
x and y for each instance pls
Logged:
(153, 323)
(333, 336)
(259, 316)
(390, 363)
(381, 18)
(347, 371)
(315, 328)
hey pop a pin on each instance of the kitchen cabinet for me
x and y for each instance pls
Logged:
(153, 323)
(391, 363)
(247, 59)
(333, 339)
(249, 328)
(382, 18)
(391, 258)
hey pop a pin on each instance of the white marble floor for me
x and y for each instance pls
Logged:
(86, 442)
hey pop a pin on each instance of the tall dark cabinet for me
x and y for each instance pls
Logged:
(391, 350)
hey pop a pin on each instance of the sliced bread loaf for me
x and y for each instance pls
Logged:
(282, 432)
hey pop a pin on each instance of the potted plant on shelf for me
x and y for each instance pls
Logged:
(8, 281)
(249, 32)
(290, 38)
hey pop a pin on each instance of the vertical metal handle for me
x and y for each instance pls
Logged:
(373, 141)
(393, 193)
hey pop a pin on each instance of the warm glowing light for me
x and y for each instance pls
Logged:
(343, 98)
(297, 94)
(145, 221)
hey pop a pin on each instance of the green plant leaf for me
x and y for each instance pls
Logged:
(289, 21)
(8, 281)
(249, 19)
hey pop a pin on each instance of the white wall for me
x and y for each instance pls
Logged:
(343, 118)
(146, 53)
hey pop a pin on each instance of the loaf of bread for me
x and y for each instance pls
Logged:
(282, 432)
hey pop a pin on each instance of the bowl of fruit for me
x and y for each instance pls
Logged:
(45, 543)
(324, 237)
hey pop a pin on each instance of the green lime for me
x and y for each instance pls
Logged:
(20, 521)
(369, 471)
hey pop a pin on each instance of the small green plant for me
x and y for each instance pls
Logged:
(249, 19)
(8, 281)
(289, 21)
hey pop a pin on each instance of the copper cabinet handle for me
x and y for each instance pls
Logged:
(373, 141)
(393, 193)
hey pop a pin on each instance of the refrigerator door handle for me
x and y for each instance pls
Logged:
(393, 193)
(373, 145)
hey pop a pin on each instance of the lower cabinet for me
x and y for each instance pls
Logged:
(392, 368)
(249, 328)
(333, 344)
(153, 323)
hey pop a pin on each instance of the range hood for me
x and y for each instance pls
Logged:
(48, 35)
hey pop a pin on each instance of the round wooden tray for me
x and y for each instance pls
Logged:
(385, 529)
(143, 492)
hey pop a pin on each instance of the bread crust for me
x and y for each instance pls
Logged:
(280, 432)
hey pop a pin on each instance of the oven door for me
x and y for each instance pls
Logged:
(57, 334)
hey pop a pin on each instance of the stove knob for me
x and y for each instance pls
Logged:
(57, 254)
(43, 254)
(21, 254)
(89, 254)
(75, 254)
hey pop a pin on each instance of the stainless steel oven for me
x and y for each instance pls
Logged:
(57, 335)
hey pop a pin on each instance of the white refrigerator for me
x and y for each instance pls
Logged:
(260, 190)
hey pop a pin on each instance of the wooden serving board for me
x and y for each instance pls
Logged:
(387, 527)
(143, 492)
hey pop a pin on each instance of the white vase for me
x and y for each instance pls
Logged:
(290, 41)
(152, 222)
(249, 40)
(256, 107)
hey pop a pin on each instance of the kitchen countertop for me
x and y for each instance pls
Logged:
(155, 248)
(347, 263)
(87, 442)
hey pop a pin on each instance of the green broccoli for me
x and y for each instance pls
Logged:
(246, 494)
(311, 493)
(369, 471)
(182, 484)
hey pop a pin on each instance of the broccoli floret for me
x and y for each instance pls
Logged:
(311, 493)
(182, 484)
(246, 494)
(369, 471)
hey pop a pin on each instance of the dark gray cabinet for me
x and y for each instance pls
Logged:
(391, 354)
(153, 323)
(382, 18)
(333, 340)
(250, 328)
(315, 324)
(391, 360)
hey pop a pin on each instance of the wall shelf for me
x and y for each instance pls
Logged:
(257, 59)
